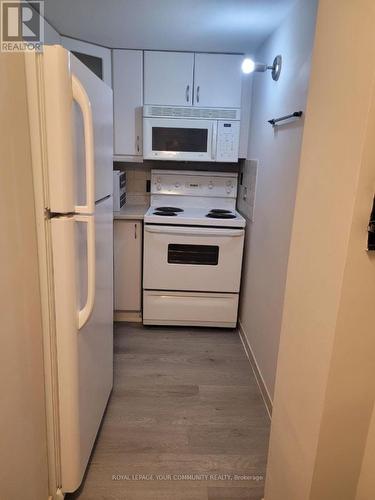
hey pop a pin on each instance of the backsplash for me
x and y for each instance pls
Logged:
(247, 181)
(138, 177)
(137, 180)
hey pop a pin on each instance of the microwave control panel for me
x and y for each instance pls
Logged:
(228, 138)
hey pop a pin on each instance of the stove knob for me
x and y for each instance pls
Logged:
(177, 185)
(158, 180)
(229, 184)
(229, 189)
(210, 185)
(158, 187)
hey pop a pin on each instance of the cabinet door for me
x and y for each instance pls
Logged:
(127, 264)
(168, 78)
(127, 101)
(217, 80)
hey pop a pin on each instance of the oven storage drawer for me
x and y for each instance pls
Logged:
(203, 259)
(188, 308)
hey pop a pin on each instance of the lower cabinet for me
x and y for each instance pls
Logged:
(127, 267)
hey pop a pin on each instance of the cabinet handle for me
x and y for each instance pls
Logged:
(198, 89)
(187, 93)
(138, 148)
(135, 231)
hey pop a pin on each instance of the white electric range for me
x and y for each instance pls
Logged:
(193, 245)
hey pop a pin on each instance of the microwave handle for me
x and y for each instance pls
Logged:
(214, 140)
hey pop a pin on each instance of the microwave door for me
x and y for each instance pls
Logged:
(175, 139)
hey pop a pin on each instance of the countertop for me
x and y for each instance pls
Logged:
(131, 212)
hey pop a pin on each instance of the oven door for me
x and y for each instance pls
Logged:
(192, 258)
(179, 139)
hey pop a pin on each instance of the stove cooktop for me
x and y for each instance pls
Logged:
(213, 215)
(168, 209)
(194, 216)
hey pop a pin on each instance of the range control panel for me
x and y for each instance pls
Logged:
(205, 184)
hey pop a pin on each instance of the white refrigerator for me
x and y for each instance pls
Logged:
(70, 115)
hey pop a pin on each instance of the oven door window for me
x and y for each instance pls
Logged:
(190, 140)
(204, 255)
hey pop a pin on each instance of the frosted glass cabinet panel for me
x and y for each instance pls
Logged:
(93, 53)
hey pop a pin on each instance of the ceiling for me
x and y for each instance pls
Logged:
(194, 25)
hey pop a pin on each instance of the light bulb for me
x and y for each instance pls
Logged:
(248, 65)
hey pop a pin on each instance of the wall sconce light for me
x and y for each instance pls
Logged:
(248, 66)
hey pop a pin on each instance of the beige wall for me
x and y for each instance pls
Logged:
(278, 152)
(325, 384)
(366, 483)
(23, 456)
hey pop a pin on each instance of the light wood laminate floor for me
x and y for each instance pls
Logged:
(185, 404)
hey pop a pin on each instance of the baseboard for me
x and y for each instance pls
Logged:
(128, 316)
(257, 373)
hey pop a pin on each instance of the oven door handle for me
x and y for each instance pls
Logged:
(193, 231)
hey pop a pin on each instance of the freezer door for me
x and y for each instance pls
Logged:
(100, 96)
(56, 94)
(78, 129)
(84, 348)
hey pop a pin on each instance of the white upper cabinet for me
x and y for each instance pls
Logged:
(217, 80)
(127, 101)
(187, 79)
(168, 78)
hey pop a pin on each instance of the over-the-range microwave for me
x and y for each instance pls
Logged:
(191, 134)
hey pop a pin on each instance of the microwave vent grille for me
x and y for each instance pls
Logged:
(180, 112)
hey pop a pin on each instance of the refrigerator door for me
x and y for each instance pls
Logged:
(84, 354)
(75, 123)
(100, 97)
(79, 133)
(56, 93)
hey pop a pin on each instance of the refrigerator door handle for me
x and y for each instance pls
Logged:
(82, 99)
(85, 313)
